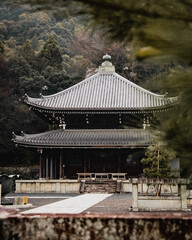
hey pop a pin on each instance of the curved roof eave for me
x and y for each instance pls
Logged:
(85, 138)
(105, 110)
(105, 91)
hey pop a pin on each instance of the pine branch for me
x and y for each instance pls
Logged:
(137, 11)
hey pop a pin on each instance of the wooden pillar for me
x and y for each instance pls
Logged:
(51, 168)
(119, 163)
(47, 167)
(40, 162)
(89, 165)
(54, 159)
(55, 168)
(85, 162)
(61, 172)
(43, 166)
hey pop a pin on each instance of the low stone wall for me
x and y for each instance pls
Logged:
(126, 187)
(73, 186)
(88, 227)
(166, 202)
(58, 186)
(189, 197)
(159, 203)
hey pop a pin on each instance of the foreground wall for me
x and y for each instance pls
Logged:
(97, 227)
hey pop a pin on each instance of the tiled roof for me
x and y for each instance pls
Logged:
(103, 91)
(87, 138)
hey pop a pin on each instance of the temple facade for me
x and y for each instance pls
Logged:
(100, 125)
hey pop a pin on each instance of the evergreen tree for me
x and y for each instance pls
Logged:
(157, 161)
(27, 52)
(35, 42)
(2, 49)
(50, 55)
(157, 165)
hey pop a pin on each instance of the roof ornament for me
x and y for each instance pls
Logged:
(26, 97)
(106, 66)
(13, 135)
(106, 57)
(22, 134)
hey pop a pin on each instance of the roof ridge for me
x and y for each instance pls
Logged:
(70, 88)
(135, 85)
(25, 135)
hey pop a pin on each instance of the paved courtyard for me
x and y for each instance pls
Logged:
(88, 204)
(75, 203)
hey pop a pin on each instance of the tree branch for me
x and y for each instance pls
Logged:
(120, 7)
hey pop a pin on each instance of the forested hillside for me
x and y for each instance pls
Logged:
(41, 53)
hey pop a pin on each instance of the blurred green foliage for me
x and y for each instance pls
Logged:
(159, 30)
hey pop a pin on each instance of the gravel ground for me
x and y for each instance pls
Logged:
(117, 203)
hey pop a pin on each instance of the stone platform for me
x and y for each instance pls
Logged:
(73, 186)
(43, 185)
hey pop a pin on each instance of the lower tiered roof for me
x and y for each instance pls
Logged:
(86, 138)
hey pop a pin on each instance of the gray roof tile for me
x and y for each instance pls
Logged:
(103, 91)
(87, 138)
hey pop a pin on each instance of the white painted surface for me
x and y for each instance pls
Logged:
(73, 205)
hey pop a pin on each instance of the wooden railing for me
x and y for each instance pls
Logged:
(101, 176)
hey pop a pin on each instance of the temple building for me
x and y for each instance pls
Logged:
(99, 125)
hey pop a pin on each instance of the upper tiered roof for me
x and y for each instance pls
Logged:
(103, 91)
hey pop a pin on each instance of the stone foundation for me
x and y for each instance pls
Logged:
(73, 186)
(58, 186)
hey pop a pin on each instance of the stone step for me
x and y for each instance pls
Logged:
(99, 186)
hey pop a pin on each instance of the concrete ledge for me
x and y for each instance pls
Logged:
(131, 226)
(155, 203)
(29, 205)
(43, 185)
(126, 186)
